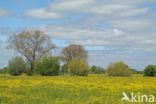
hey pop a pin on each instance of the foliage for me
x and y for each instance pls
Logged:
(96, 70)
(16, 66)
(31, 44)
(64, 69)
(135, 71)
(72, 51)
(150, 70)
(47, 66)
(4, 70)
(28, 71)
(118, 69)
(78, 67)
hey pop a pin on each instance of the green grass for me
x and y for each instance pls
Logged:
(93, 89)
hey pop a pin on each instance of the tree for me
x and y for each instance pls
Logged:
(72, 51)
(31, 44)
(150, 70)
(16, 66)
(47, 66)
(135, 71)
(4, 70)
(64, 68)
(118, 69)
(78, 67)
(96, 69)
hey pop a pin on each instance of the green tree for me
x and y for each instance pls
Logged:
(16, 66)
(72, 51)
(78, 67)
(47, 66)
(96, 69)
(4, 70)
(118, 69)
(31, 44)
(64, 68)
(150, 70)
(135, 71)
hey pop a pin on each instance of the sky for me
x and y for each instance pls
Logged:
(111, 30)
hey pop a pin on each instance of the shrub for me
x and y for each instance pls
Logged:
(4, 70)
(78, 67)
(47, 66)
(118, 69)
(28, 71)
(135, 71)
(16, 66)
(96, 69)
(150, 70)
(64, 69)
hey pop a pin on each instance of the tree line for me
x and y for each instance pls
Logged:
(35, 48)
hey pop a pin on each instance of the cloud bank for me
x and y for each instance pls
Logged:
(120, 30)
(5, 13)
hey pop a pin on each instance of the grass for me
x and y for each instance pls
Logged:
(93, 89)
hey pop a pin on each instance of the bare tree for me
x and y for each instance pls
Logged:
(31, 44)
(73, 51)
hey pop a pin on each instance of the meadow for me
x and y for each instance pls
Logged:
(91, 89)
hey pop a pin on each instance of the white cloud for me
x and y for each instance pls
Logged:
(42, 14)
(135, 60)
(5, 55)
(91, 42)
(113, 38)
(77, 32)
(90, 7)
(135, 12)
(131, 24)
(5, 12)
(4, 31)
(73, 6)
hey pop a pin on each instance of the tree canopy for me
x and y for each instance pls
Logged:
(73, 51)
(31, 44)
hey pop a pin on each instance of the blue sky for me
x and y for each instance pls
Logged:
(17, 7)
(110, 30)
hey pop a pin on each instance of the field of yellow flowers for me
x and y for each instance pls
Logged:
(93, 89)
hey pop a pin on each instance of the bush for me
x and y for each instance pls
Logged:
(28, 71)
(47, 66)
(4, 70)
(16, 66)
(96, 70)
(150, 70)
(118, 69)
(64, 69)
(78, 67)
(135, 71)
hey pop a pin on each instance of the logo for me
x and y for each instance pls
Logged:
(138, 98)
